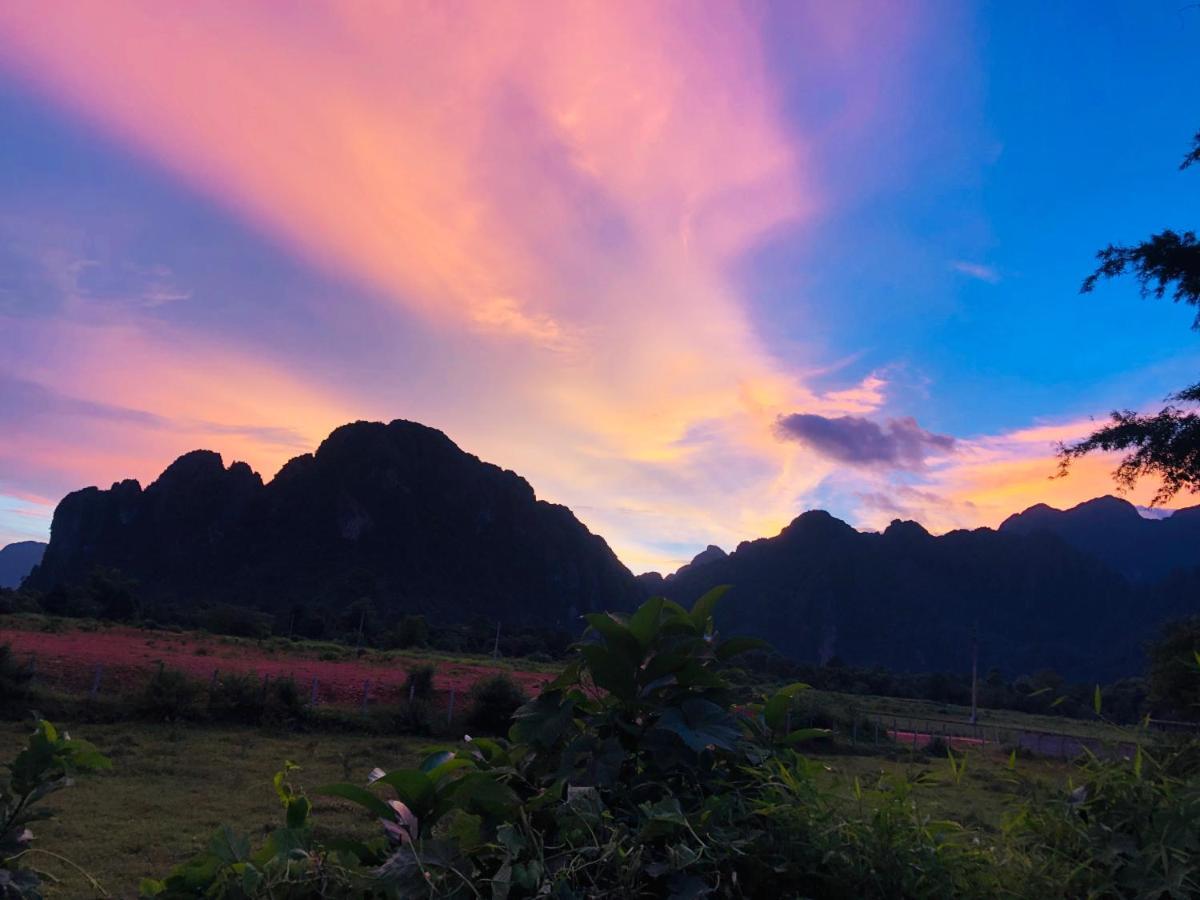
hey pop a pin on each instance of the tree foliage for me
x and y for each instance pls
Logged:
(1175, 670)
(1165, 444)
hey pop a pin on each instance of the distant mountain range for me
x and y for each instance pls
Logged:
(17, 560)
(1112, 530)
(907, 600)
(398, 513)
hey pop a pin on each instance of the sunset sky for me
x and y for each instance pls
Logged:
(690, 268)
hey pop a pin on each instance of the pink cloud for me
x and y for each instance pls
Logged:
(560, 193)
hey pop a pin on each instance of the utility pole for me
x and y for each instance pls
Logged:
(496, 648)
(975, 673)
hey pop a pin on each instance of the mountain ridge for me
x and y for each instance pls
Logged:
(397, 513)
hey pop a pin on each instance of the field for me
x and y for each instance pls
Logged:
(170, 787)
(74, 656)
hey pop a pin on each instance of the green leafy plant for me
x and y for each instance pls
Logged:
(1127, 828)
(47, 764)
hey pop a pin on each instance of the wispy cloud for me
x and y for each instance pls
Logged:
(978, 271)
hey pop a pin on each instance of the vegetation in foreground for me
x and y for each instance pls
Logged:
(636, 774)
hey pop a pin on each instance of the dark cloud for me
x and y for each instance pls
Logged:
(897, 444)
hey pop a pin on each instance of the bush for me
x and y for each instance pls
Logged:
(1129, 829)
(419, 683)
(170, 696)
(493, 702)
(245, 699)
(15, 681)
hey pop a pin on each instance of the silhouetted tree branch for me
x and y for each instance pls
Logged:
(1166, 444)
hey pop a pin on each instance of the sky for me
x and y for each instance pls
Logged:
(689, 268)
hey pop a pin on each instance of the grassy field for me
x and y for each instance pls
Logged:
(170, 787)
(908, 712)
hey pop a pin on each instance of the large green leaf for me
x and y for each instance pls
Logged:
(643, 624)
(482, 793)
(358, 795)
(414, 789)
(702, 611)
(611, 671)
(701, 723)
(805, 734)
(433, 760)
(775, 710)
(544, 720)
(618, 638)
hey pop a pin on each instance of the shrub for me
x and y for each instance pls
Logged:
(1129, 829)
(493, 702)
(419, 683)
(170, 696)
(15, 681)
(245, 699)
(237, 698)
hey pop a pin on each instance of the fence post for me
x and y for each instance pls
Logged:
(450, 711)
(312, 694)
(212, 682)
(96, 681)
(266, 684)
(366, 695)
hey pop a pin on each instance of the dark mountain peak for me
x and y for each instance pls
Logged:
(1187, 514)
(17, 560)
(906, 530)
(815, 521)
(1108, 505)
(1113, 531)
(709, 555)
(1100, 510)
(197, 465)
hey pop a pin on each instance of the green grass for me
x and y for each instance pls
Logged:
(169, 788)
(986, 792)
(908, 713)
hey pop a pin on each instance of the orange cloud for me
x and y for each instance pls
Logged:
(991, 477)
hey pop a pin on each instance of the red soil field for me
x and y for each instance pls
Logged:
(127, 657)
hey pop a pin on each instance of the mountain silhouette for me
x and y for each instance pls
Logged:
(397, 514)
(394, 513)
(17, 560)
(910, 601)
(1112, 530)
